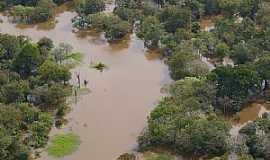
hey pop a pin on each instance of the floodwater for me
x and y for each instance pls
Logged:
(250, 113)
(109, 119)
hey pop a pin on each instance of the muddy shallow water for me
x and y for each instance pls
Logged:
(109, 119)
(250, 113)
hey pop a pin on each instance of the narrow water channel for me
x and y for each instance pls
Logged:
(109, 119)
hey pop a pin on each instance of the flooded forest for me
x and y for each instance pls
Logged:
(134, 79)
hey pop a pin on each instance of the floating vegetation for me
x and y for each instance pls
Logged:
(62, 145)
(99, 66)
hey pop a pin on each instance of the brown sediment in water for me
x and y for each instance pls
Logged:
(153, 55)
(121, 97)
(250, 113)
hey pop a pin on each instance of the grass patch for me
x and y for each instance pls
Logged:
(76, 56)
(157, 156)
(62, 145)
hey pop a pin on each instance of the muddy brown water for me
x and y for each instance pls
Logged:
(250, 113)
(109, 119)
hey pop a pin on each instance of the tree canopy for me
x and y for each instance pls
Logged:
(33, 86)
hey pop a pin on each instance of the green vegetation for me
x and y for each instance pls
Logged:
(257, 137)
(186, 123)
(34, 89)
(90, 18)
(99, 66)
(62, 145)
(114, 28)
(189, 119)
(77, 57)
(30, 11)
(157, 156)
(85, 7)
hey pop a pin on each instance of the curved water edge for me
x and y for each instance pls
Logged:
(109, 119)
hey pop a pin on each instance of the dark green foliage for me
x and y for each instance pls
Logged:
(50, 97)
(51, 71)
(257, 137)
(262, 67)
(10, 47)
(174, 18)
(114, 27)
(185, 63)
(169, 125)
(32, 83)
(17, 120)
(151, 30)
(40, 12)
(15, 91)
(128, 10)
(235, 86)
(58, 2)
(30, 11)
(27, 60)
(177, 124)
(90, 6)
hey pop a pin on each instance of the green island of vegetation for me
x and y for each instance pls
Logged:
(62, 145)
(30, 11)
(99, 66)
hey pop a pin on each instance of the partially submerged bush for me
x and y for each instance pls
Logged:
(114, 27)
(29, 14)
(99, 66)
